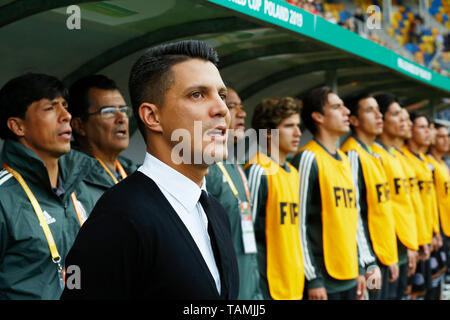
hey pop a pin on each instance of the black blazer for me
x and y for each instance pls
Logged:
(135, 246)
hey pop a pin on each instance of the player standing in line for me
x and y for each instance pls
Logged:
(274, 185)
(404, 214)
(334, 245)
(374, 200)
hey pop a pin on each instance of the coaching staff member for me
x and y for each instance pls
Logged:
(157, 234)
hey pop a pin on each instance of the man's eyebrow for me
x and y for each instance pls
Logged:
(203, 87)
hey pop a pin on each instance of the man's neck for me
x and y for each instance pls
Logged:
(389, 141)
(399, 143)
(438, 156)
(108, 157)
(278, 156)
(329, 141)
(365, 138)
(196, 173)
(51, 164)
(414, 147)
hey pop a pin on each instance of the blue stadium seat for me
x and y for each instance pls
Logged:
(411, 47)
(427, 57)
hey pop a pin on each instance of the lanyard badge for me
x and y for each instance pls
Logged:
(248, 234)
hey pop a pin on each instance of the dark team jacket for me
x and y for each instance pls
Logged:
(135, 246)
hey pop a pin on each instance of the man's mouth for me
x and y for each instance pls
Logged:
(218, 133)
(122, 133)
(66, 134)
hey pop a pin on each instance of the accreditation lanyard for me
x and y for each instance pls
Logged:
(118, 166)
(56, 258)
(248, 234)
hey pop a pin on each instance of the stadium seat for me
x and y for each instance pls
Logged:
(391, 31)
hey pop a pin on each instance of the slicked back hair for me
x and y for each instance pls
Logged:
(385, 100)
(151, 76)
(352, 101)
(314, 101)
(79, 102)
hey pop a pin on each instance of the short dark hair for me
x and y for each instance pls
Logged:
(151, 76)
(385, 100)
(270, 112)
(20, 92)
(351, 102)
(416, 115)
(79, 93)
(314, 101)
(438, 125)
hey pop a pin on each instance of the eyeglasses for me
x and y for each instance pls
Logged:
(109, 112)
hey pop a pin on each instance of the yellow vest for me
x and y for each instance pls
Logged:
(442, 188)
(426, 187)
(339, 213)
(402, 208)
(285, 273)
(379, 209)
(415, 196)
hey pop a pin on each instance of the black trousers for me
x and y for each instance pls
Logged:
(398, 288)
(349, 294)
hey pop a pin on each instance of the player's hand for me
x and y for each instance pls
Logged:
(360, 287)
(317, 294)
(393, 272)
(413, 258)
(373, 278)
(424, 252)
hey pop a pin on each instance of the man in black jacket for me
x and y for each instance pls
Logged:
(157, 234)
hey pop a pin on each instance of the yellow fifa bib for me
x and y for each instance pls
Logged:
(339, 213)
(426, 187)
(402, 209)
(379, 210)
(416, 199)
(285, 273)
(442, 188)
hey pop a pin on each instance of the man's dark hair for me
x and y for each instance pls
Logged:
(385, 100)
(20, 92)
(438, 125)
(352, 101)
(79, 93)
(314, 101)
(151, 76)
(416, 115)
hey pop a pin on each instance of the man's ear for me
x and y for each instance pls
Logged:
(150, 116)
(354, 121)
(15, 124)
(317, 117)
(78, 126)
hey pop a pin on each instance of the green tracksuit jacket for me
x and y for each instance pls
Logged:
(26, 267)
(98, 180)
(217, 185)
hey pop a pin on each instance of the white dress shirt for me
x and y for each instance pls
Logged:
(183, 195)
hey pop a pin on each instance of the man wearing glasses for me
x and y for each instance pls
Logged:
(100, 128)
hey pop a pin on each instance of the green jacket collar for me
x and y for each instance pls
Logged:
(98, 176)
(74, 166)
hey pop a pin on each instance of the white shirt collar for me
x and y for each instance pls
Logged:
(186, 191)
